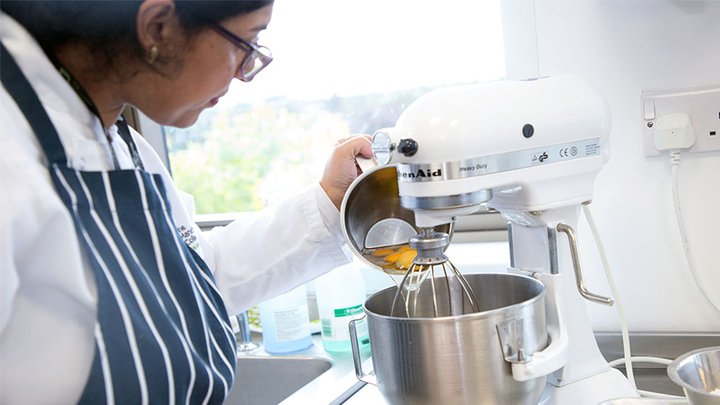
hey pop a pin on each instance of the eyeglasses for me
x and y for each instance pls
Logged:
(257, 57)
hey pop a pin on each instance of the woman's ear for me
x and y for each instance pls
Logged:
(155, 22)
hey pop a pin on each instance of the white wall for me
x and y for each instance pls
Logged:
(624, 48)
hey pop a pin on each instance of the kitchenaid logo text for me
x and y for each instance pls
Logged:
(421, 174)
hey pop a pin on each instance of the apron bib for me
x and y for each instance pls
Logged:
(162, 334)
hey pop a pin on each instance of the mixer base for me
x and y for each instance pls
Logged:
(593, 390)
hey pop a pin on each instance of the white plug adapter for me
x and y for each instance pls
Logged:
(673, 132)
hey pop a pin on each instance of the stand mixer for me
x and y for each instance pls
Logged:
(530, 150)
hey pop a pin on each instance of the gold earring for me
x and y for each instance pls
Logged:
(152, 54)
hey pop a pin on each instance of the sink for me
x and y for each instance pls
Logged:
(263, 380)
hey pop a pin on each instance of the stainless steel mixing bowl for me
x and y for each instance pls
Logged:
(698, 373)
(459, 359)
(373, 218)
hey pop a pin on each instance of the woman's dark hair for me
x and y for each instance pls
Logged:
(107, 27)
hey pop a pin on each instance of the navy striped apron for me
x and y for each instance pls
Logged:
(162, 334)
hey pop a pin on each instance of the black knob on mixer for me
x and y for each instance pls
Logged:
(407, 147)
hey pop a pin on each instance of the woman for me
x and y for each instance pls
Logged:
(109, 294)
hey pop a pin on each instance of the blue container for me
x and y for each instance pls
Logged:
(286, 322)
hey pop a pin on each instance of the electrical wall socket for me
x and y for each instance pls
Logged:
(703, 106)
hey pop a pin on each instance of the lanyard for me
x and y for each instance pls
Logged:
(122, 126)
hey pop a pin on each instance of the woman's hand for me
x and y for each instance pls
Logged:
(342, 168)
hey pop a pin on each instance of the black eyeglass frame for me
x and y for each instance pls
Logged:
(252, 52)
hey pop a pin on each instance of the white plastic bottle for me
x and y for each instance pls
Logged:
(340, 297)
(286, 322)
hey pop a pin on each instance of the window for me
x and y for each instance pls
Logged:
(341, 67)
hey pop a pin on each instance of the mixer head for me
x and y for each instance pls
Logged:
(514, 145)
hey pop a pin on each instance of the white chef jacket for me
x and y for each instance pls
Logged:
(47, 307)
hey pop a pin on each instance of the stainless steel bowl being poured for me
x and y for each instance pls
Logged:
(376, 226)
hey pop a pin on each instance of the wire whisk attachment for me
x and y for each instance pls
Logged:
(432, 286)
